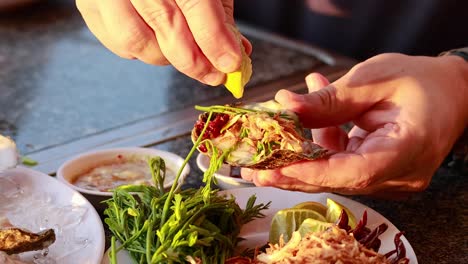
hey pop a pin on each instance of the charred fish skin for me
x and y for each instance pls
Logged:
(16, 240)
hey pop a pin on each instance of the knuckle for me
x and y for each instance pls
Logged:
(327, 98)
(132, 41)
(191, 67)
(160, 16)
(186, 65)
(363, 183)
(187, 5)
(229, 10)
(207, 36)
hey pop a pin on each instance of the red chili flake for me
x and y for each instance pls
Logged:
(202, 148)
(214, 127)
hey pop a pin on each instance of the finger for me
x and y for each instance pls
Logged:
(332, 105)
(316, 81)
(358, 132)
(93, 20)
(332, 138)
(212, 31)
(127, 34)
(176, 40)
(355, 138)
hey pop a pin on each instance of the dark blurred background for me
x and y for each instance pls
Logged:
(363, 28)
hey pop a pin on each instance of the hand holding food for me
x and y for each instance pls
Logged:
(404, 127)
(196, 37)
(260, 136)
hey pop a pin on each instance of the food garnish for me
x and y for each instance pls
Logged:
(258, 136)
(177, 226)
(15, 240)
(236, 81)
(334, 243)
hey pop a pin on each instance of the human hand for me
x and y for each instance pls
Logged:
(408, 113)
(194, 36)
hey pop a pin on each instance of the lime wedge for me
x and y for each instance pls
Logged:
(236, 81)
(286, 221)
(312, 225)
(315, 206)
(334, 212)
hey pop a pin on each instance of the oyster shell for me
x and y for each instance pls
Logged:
(16, 240)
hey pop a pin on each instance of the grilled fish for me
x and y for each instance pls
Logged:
(16, 240)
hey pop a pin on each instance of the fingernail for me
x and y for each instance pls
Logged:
(227, 63)
(213, 78)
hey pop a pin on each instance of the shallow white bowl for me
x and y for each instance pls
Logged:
(224, 181)
(82, 163)
(36, 201)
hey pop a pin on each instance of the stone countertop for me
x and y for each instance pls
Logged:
(435, 221)
(58, 84)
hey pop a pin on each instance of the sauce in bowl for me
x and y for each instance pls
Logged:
(122, 171)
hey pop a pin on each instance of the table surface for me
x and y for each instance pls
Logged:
(62, 93)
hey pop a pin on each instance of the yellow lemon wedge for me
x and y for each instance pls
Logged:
(286, 221)
(236, 81)
(334, 211)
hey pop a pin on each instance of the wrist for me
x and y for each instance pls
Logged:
(459, 154)
(460, 66)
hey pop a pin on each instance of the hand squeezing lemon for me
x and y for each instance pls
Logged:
(236, 81)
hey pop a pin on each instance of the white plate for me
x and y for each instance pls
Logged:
(36, 201)
(225, 181)
(256, 232)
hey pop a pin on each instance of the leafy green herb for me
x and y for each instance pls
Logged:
(159, 226)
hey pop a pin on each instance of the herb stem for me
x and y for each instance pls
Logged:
(170, 195)
(224, 109)
(149, 242)
(113, 252)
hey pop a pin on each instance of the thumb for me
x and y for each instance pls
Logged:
(331, 105)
